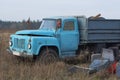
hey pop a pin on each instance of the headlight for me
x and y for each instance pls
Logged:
(29, 46)
(10, 43)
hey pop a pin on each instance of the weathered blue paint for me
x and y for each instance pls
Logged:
(36, 32)
(57, 38)
(68, 38)
(36, 42)
(18, 49)
(67, 41)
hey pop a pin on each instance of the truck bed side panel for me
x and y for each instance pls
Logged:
(100, 31)
(103, 31)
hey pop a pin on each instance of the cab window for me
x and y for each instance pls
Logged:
(69, 25)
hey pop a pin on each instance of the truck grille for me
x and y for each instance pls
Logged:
(19, 43)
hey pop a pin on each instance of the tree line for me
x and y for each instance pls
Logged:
(19, 25)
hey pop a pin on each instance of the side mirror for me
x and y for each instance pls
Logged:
(58, 23)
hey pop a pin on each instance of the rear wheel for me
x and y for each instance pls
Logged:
(48, 56)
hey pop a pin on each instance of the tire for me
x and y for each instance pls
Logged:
(48, 56)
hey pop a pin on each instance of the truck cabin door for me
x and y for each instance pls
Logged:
(69, 37)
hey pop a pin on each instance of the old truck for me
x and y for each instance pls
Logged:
(66, 36)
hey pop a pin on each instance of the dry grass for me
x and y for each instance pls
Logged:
(13, 69)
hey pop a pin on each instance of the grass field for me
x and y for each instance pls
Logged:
(13, 69)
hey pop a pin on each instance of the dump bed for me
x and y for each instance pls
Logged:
(99, 31)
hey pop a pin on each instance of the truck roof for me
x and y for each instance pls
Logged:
(64, 17)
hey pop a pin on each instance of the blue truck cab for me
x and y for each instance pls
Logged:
(62, 37)
(59, 34)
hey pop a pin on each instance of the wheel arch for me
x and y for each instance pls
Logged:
(50, 47)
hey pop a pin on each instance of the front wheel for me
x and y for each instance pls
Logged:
(48, 56)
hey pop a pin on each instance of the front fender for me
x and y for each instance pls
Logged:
(39, 42)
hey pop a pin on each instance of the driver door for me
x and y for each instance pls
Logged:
(69, 37)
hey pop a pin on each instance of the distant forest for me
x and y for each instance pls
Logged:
(10, 25)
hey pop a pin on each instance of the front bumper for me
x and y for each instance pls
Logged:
(23, 54)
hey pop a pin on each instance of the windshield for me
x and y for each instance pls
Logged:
(48, 24)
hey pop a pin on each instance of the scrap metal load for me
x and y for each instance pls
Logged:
(99, 30)
(107, 62)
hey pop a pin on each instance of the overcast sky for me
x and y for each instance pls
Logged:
(17, 10)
